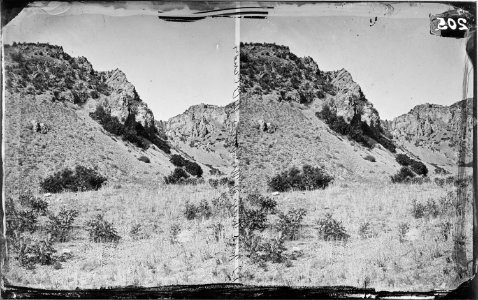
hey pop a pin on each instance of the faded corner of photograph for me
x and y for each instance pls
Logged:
(118, 146)
(355, 147)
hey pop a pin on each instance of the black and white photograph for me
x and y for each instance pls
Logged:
(118, 147)
(355, 148)
(213, 149)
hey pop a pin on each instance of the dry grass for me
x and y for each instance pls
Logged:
(419, 260)
(166, 249)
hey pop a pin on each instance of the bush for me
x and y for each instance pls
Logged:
(82, 179)
(404, 175)
(311, 178)
(419, 168)
(203, 210)
(403, 159)
(418, 210)
(36, 251)
(101, 231)
(416, 166)
(144, 159)
(176, 177)
(193, 168)
(177, 160)
(365, 230)
(290, 223)
(369, 158)
(331, 229)
(60, 225)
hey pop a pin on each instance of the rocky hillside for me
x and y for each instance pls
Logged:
(205, 133)
(49, 100)
(292, 113)
(432, 133)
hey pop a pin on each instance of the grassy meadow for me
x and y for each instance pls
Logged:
(400, 237)
(159, 245)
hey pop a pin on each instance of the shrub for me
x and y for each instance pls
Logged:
(419, 167)
(177, 160)
(176, 177)
(331, 229)
(101, 231)
(365, 230)
(190, 211)
(37, 205)
(369, 158)
(310, 178)
(144, 159)
(441, 171)
(403, 159)
(36, 251)
(290, 223)
(60, 225)
(403, 229)
(404, 175)
(418, 209)
(203, 210)
(193, 169)
(82, 179)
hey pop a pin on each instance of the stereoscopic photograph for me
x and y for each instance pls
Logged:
(209, 148)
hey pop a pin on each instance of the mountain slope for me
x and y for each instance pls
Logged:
(47, 87)
(286, 91)
(432, 133)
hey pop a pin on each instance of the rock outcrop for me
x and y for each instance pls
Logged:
(202, 125)
(437, 128)
(124, 102)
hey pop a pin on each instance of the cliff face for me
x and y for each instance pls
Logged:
(124, 102)
(438, 129)
(205, 133)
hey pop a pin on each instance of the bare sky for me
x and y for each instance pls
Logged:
(397, 62)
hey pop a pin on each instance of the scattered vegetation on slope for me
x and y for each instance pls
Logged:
(356, 130)
(131, 131)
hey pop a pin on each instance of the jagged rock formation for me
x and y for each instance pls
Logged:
(124, 102)
(205, 133)
(435, 133)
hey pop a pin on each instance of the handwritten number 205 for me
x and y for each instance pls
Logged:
(442, 24)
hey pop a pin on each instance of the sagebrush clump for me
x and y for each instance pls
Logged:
(311, 178)
(331, 229)
(101, 231)
(77, 180)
